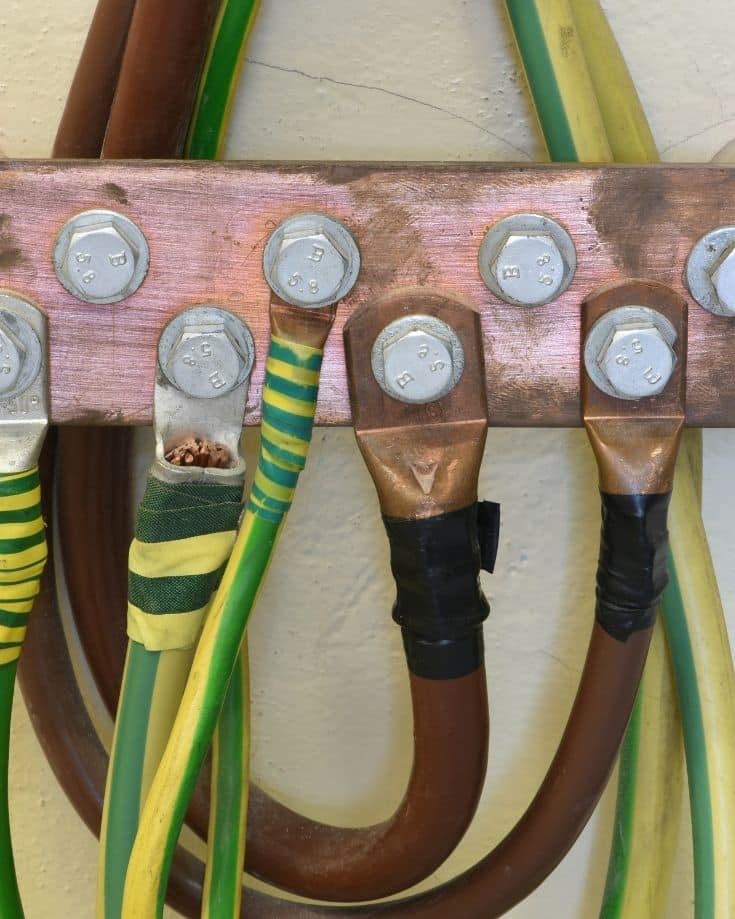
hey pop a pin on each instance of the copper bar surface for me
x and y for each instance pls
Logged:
(416, 225)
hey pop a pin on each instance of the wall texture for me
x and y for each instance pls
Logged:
(417, 79)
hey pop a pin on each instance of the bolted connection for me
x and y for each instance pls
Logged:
(629, 352)
(311, 268)
(530, 269)
(637, 361)
(12, 358)
(311, 261)
(527, 259)
(723, 280)
(206, 361)
(101, 257)
(417, 359)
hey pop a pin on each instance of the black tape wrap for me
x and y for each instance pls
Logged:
(440, 605)
(632, 575)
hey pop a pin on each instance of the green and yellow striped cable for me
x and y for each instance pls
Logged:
(230, 784)
(289, 404)
(626, 126)
(228, 808)
(546, 34)
(184, 535)
(22, 560)
(647, 818)
(693, 613)
(154, 679)
(651, 762)
(226, 54)
(697, 634)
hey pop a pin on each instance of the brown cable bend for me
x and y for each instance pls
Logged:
(81, 130)
(284, 847)
(159, 79)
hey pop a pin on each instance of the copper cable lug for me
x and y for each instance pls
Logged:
(636, 440)
(424, 458)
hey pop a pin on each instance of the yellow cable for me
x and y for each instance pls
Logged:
(626, 125)
(712, 661)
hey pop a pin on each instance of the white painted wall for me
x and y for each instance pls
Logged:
(398, 79)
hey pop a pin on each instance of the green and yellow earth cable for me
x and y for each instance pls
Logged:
(289, 405)
(22, 560)
(232, 30)
(227, 830)
(23, 549)
(557, 74)
(697, 634)
(651, 764)
(154, 679)
(693, 617)
(185, 531)
(184, 534)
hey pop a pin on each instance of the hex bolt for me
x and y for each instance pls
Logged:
(101, 257)
(723, 279)
(12, 356)
(311, 261)
(21, 354)
(206, 352)
(710, 271)
(629, 352)
(527, 259)
(417, 359)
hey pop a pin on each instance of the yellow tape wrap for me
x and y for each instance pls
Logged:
(23, 555)
(165, 631)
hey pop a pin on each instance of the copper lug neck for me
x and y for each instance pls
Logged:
(636, 440)
(424, 458)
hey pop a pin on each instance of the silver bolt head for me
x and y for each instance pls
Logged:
(530, 269)
(723, 279)
(101, 256)
(418, 367)
(637, 361)
(527, 259)
(311, 268)
(417, 359)
(206, 361)
(311, 261)
(12, 356)
(100, 262)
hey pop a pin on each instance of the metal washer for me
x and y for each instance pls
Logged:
(417, 323)
(312, 222)
(702, 260)
(207, 315)
(602, 331)
(91, 218)
(525, 223)
(21, 317)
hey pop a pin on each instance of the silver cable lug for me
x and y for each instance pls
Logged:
(205, 359)
(24, 395)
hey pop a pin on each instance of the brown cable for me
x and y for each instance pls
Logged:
(537, 844)
(558, 813)
(91, 464)
(159, 79)
(83, 124)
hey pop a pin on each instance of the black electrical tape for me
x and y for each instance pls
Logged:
(440, 605)
(631, 575)
(444, 660)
